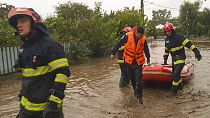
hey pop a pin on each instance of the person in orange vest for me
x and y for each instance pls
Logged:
(174, 44)
(135, 48)
(119, 47)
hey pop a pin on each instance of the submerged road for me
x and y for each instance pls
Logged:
(93, 92)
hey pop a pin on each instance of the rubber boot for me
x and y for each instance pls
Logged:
(127, 78)
(175, 89)
(180, 86)
(138, 92)
(123, 79)
(123, 82)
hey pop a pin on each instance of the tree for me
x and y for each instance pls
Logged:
(6, 31)
(189, 17)
(199, 29)
(72, 24)
(151, 29)
(161, 16)
(204, 15)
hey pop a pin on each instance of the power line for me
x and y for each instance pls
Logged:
(160, 5)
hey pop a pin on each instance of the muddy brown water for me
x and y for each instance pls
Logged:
(93, 92)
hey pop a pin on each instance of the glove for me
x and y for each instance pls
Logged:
(148, 60)
(198, 56)
(54, 106)
(19, 96)
(52, 111)
(112, 56)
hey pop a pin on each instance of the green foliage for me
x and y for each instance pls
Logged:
(189, 16)
(192, 20)
(204, 19)
(161, 16)
(199, 29)
(90, 31)
(151, 29)
(6, 37)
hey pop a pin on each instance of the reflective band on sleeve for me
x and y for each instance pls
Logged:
(63, 62)
(177, 83)
(61, 78)
(179, 62)
(176, 48)
(30, 72)
(165, 54)
(185, 42)
(55, 99)
(120, 61)
(121, 48)
(32, 106)
(192, 47)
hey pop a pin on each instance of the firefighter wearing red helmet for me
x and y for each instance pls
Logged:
(44, 67)
(175, 44)
(119, 47)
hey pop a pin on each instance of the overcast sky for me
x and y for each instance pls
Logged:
(47, 7)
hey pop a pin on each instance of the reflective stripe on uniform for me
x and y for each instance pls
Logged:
(30, 72)
(120, 61)
(121, 48)
(61, 78)
(58, 63)
(56, 100)
(176, 48)
(179, 62)
(32, 106)
(192, 47)
(166, 48)
(177, 83)
(185, 42)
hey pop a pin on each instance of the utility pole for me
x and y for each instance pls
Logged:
(142, 10)
(187, 24)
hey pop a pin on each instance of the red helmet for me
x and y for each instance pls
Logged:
(16, 13)
(168, 26)
(127, 29)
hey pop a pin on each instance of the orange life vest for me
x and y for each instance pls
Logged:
(133, 52)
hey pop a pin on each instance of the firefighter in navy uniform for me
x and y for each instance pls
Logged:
(119, 47)
(174, 44)
(135, 48)
(43, 64)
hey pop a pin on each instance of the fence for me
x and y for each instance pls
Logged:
(160, 37)
(8, 55)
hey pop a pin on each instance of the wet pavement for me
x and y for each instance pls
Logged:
(93, 92)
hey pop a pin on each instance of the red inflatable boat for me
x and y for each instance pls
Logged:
(158, 72)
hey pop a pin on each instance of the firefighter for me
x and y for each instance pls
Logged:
(119, 47)
(174, 44)
(44, 67)
(135, 48)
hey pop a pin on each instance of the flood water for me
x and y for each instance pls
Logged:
(93, 92)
